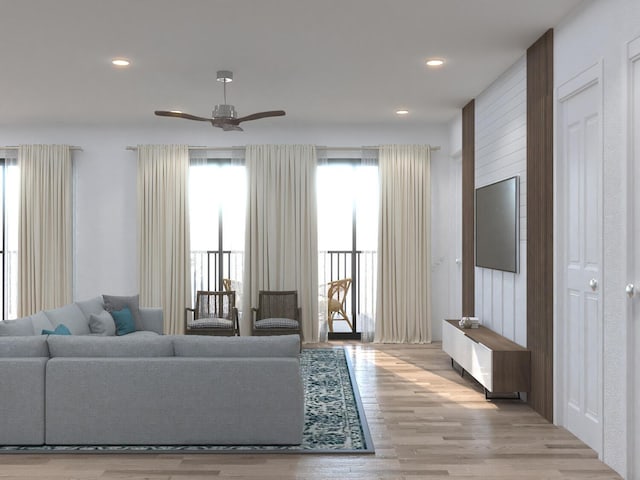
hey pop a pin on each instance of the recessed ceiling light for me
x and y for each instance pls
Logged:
(402, 112)
(435, 62)
(120, 62)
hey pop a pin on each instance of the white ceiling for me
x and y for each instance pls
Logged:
(323, 61)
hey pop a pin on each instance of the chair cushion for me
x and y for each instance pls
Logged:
(276, 323)
(210, 323)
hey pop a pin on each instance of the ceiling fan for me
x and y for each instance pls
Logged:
(224, 116)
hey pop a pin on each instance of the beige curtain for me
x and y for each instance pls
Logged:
(281, 236)
(404, 289)
(163, 231)
(44, 228)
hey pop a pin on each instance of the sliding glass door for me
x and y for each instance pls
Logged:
(9, 185)
(217, 198)
(347, 243)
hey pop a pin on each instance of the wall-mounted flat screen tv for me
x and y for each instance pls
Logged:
(498, 225)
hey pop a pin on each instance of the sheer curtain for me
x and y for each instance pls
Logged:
(44, 228)
(368, 219)
(404, 290)
(163, 231)
(281, 237)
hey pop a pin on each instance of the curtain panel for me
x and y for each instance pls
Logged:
(44, 228)
(281, 236)
(403, 312)
(163, 231)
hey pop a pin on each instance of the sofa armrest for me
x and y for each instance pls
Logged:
(152, 319)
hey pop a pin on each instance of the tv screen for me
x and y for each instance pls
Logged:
(497, 225)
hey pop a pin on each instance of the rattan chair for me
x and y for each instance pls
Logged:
(277, 314)
(336, 302)
(215, 314)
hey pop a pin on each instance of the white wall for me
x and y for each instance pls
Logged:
(500, 152)
(105, 199)
(600, 31)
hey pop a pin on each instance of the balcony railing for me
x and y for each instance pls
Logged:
(210, 267)
(362, 268)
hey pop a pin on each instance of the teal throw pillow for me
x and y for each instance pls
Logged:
(61, 329)
(124, 321)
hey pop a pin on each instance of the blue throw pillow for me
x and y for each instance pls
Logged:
(59, 330)
(124, 321)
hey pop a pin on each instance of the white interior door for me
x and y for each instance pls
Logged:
(455, 268)
(633, 253)
(581, 221)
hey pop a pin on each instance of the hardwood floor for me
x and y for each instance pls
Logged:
(426, 421)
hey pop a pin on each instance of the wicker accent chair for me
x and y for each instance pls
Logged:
(336, 302)
(215, 314)
(277, 314)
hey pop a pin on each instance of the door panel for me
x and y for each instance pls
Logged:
(633, 255)
(580, 132)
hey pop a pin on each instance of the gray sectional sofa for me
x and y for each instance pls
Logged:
(149, 389)
(85, 318)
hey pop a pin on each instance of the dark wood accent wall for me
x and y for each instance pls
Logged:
(468, 208)
(540, 222)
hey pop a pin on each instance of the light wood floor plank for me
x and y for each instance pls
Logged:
(426, 422)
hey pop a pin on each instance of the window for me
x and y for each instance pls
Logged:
(217, 198)
(9, 188)
(348, 236)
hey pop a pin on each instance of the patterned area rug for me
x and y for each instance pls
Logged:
(334, 417)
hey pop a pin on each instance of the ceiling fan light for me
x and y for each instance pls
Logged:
(224, 111)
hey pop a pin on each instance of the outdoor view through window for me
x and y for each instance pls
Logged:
(347, 198)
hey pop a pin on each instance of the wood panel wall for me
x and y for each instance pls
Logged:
(540, 222)
(468, 208)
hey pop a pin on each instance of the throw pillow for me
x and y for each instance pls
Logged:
(114, 302)
(102, 323)
(61, 329)
(124, 321)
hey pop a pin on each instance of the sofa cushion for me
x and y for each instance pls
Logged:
(102, 323)
(40, 322)
(16, 328)
(61, 329)
(92, 306)
(124, 321)
(114, 302)
(72, 317)
(98, 346)
(205, 346)
(33, 346)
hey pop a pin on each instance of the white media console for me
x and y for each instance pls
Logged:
(497, 363)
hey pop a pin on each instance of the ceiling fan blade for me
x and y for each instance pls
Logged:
(187, 116)
(256, 116)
